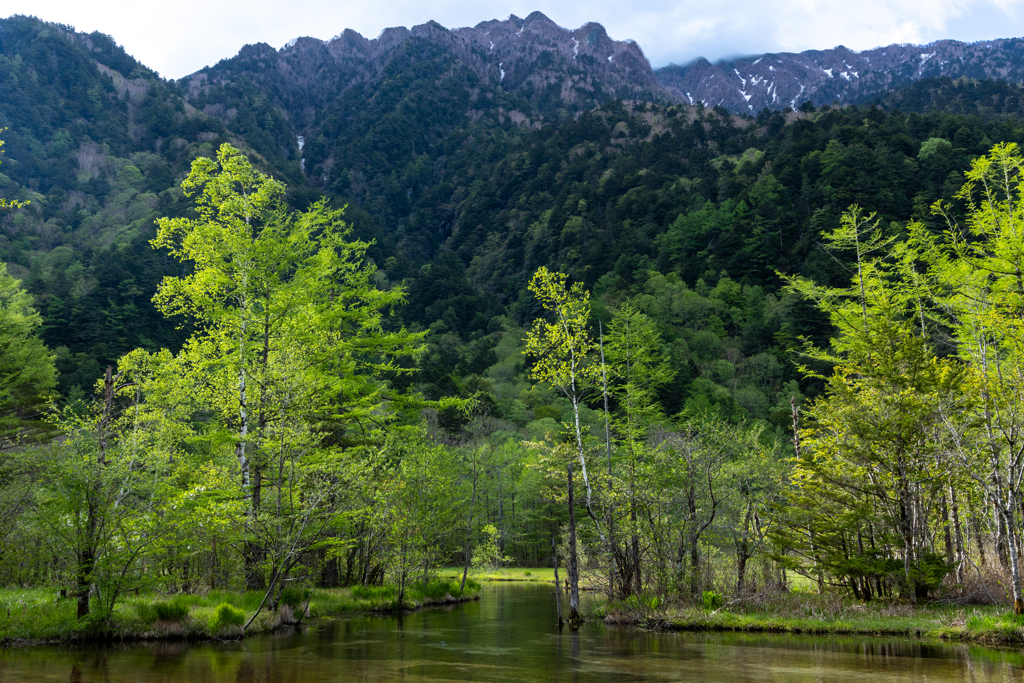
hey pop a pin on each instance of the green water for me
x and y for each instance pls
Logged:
(509, 635)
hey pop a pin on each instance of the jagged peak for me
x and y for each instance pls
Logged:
(302, 42)
(256, 50)
(428, 29)
(391, 36)
(539, 17)
(594, 32)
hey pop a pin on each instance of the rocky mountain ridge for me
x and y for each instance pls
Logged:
(838, 75)
(533, 57)
(554, 68)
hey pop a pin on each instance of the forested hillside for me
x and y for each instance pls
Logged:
(346, 310)
(463, 199)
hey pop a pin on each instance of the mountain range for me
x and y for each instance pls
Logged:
(545, 63)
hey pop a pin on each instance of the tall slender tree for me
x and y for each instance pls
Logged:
(561, 349)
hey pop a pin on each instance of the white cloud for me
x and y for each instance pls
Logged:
(177, 38)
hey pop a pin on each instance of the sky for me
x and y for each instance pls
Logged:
(180, 37)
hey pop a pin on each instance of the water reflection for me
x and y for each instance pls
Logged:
(510, 635)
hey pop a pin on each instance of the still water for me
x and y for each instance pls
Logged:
(509, 635)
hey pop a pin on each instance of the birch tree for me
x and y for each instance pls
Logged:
(561, 349)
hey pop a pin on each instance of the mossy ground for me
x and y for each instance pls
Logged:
(40, 614)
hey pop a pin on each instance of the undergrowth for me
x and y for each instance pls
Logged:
(40, 614)
(784, 612)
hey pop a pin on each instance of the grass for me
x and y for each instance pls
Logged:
(812, 614)
(41, 615)
(504, 574)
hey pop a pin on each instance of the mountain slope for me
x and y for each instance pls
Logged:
(468, 182)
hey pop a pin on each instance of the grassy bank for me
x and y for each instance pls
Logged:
(811, 614)
(40, 614)
(502, 574)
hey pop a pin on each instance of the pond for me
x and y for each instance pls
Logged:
(509, 635)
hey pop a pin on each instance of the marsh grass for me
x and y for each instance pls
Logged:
(809, 613)
(39, 614)
(503, 574)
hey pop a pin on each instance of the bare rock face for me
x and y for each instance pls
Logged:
(838, 75)
(556, 68)
(551, 66)
(535, 55)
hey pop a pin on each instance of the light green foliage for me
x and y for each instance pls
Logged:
(487, 554)
(290, 348)
(9, 203)
(933, 146)
(872, 448)
(107, 499)
(562, 345)
(419, 511)
(639, 369)
(280, 298)
(560, 350)
(227, 615)
(976, 284)
(27, 375)
(712, 600)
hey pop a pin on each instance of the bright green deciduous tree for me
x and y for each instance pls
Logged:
(8, 203)
(871, 457)
(291, 345)
(27, 374)
(638, 368)
(977, 275)
(107, 497)
(561, 351)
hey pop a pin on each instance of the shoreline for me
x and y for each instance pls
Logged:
(797, 614)
(988, 626)
(196, 624)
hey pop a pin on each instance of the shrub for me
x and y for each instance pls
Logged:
(487, 554)
(436, 589)
(294, 597)
(171, 610)
(247, 602)
(146, 612)
(643, 605)
(226, 615)
(713, 600)
(527, 572)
